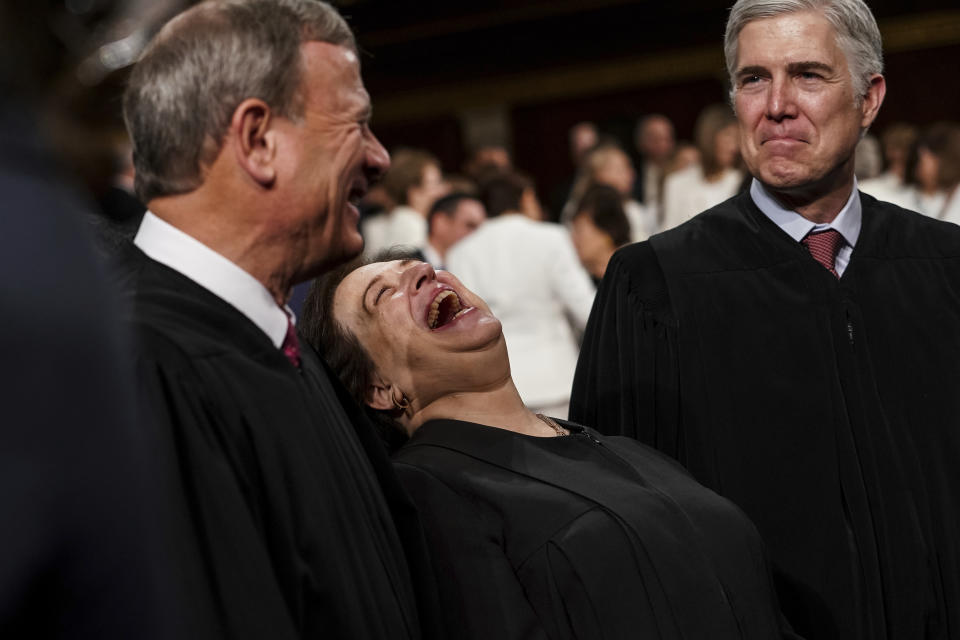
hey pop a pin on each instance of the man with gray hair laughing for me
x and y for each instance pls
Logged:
(252, 146)
(797, 347)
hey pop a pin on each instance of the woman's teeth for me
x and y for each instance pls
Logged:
(444, 308)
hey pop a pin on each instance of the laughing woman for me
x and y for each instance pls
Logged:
(539, 528)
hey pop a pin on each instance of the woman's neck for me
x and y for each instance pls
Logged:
(499, 406)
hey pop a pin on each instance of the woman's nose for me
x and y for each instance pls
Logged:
(419, 275)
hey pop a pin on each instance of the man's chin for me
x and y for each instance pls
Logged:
(784, 176)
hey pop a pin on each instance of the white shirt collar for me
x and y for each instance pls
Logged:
(847, 222)
(170, 246)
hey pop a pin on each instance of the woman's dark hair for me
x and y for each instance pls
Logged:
(502, 191)
(943, 140)
(604, 206)
(342, 350)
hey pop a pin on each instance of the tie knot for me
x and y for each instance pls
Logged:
(291, 346)
(823, 246)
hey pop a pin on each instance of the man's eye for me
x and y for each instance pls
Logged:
(809, 75)
(750, 79)
(382, 291)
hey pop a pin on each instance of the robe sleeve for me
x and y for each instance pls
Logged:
(222, 567)
(627, 378)
(480, 594)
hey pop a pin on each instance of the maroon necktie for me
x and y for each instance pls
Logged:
(291, 346)
(823, 246)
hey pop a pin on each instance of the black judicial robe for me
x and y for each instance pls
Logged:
(829, 410)
(582, 536)
(283, 524)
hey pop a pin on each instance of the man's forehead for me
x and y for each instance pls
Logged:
(807, 30)
(332, 59)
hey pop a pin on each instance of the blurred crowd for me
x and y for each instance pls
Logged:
(619, 194)
(539, 262)
(615, 196)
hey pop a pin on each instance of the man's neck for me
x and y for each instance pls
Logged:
(819, 202)
(231, 236)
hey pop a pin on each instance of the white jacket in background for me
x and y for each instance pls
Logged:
(529, 275)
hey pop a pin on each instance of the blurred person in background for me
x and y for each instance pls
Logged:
(452, 218)
(599, 227)
(868, 159)
(610, 165)
(685, 155)
(118, 201)
(485, 158)
(797, 347)
(414, 182)
(892, 185)
(581, 138)
(529, 274)
(925, 189)
(948, 173)
(83, 541)
(655, 142)
(252, 146)
(690, 191)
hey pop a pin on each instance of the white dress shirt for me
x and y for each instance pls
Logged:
(530, 276)
(185, 254)
(847, 222)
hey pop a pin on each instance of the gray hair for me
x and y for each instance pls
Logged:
(206, 61)
(857, 34)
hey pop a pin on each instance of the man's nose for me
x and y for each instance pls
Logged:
(781, 100)
(377, 160)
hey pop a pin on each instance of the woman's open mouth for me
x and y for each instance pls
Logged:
(445, 308)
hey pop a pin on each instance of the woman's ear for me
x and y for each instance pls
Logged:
(380, 394)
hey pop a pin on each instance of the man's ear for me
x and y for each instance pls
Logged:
(380, 394)
(873, 99)
(256, 145)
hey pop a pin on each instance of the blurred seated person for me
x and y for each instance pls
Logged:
(599, 228)
(655, 142)
(892, 185)
(867, 158)
(608, 164)
(414, 181)
(452, 218)
(581, 138)
(948, 173)
(538, 528)
(932, 172)
(117, 201)
(925, 193)
(529, 273)
(694, 189)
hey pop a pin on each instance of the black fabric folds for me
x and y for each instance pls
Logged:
(283, 518)
(582, 536)
(829, 410)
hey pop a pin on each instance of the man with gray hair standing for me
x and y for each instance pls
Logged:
(252, 146)
(797, 347)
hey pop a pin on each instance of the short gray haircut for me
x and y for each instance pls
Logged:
(857, 34)
(206, 61)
